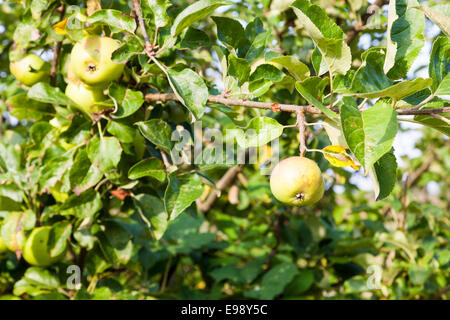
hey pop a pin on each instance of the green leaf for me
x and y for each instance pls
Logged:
(191, 88)
(196, 11)
(258, 132)
(311, 99)
(58, 237)
(301, 283)
(152, 167)
(122, 130)
(239, 68)
(315, 86)
(157, 132)
(384, 175)
(371, 82)
(336, 55)
(399, 90)
(22, 107)
(297, 69)
(268, 72)
(83, 175)
(195, 38)
(116, 19)
(37, 7)
(159, 8)
(419, 275)
(41, 278)
(328, 37)
(405, 37)
(44, 92)
(432, 122)
(259, 87)
(152, 208)
(115, 243)
(104, 153)
(439, 18)
(128, 101)
(315, 20)
(274, 281)
(439, 66)
(129, 48)
(84, 205)
(10, 158)
(54, 170)
(11, 191)
(180, 193)
(257, 38)
(369, 134)
(12, 230)
(318, 62)
(230, 32)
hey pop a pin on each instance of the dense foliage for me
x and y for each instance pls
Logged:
(97, 203)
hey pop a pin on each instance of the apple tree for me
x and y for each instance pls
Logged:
(217, 149)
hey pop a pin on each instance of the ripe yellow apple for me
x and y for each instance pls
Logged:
(297, 181)
(91, 60)
(30, 70)
(36, 250)
(85, 97)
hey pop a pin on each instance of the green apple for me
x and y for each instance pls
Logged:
(91, 60)
(36, 250)
(30, 70)
(297, 181)
(85, 97)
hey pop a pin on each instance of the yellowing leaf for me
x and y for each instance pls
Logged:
(337, 156)
(60, 27)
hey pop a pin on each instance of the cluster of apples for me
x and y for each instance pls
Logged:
(89, 71)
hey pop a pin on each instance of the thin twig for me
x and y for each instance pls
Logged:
(442, 118)
(165, 160)
(137, 9)
(166, 275)
(301, 128)
(227, 179)
(163, 97)
(57, 50)
(425, 101)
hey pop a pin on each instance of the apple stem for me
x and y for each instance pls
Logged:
(301, 128)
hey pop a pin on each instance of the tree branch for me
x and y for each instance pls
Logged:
(137, 9)
(163, 97)
(221, 185)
